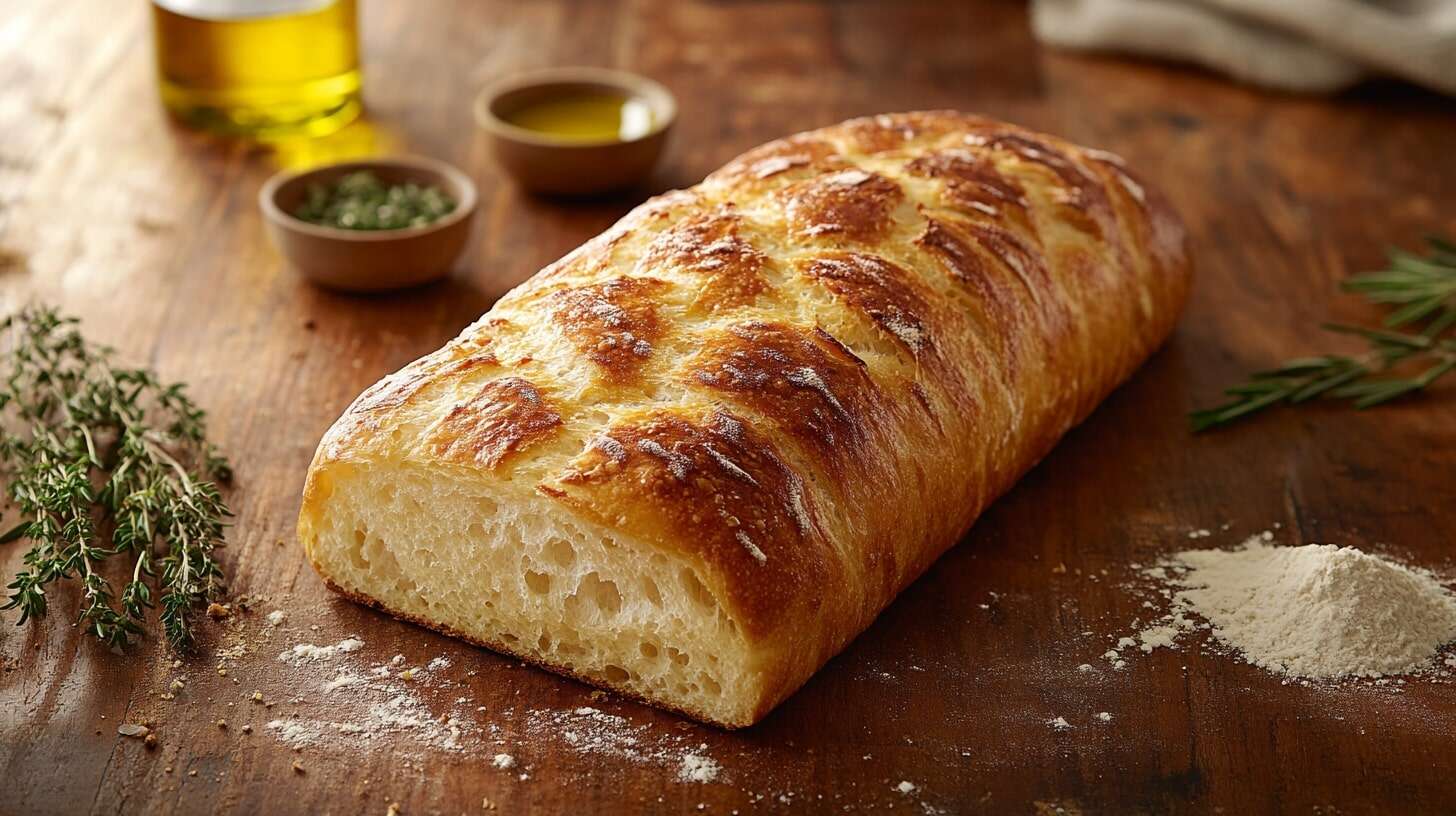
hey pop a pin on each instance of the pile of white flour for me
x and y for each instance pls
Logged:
(1315, 611)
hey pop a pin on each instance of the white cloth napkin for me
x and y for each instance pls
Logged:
(1297, 45)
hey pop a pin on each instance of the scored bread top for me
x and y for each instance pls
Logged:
(809, 373)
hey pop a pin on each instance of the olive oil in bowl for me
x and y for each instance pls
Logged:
(259, 68)
(576, 131)
(585, 116)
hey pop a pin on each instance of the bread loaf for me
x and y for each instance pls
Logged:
(695, 457)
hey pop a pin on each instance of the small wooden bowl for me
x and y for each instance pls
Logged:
(370, 260)
(545, 164)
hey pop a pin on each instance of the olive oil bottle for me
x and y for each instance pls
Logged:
(265, 69)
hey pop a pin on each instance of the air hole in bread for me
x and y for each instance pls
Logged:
(648, 650)
(561, 553)
(602, 594)
(543, 643)
(695, 589)
(677, 657)
(356, 552)
(385, 565)
(322, 486)
(650, 591)
(538, 582)
(616, 674)
(710, 685)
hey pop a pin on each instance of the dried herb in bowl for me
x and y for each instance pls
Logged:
(362, 201)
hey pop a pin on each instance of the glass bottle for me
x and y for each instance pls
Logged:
(265, 69)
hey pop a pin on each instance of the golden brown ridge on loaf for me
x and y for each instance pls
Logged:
(614, 323)
(851, 204)
(709, 245)
(801, 380)
(506, 415)
(973, 184)
(880, 289)
(713, 486)
(695, 457)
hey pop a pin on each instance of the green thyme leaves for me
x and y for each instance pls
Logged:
(88, 447)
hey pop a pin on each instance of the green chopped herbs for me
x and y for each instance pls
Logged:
(361, 201)
(92, 451)
(1417, 336)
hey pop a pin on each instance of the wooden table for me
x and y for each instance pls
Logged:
(151, 235)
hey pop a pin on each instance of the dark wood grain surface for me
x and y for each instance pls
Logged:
(151, 234)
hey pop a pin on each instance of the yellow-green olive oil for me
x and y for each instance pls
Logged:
(585, 116)
(260, 68)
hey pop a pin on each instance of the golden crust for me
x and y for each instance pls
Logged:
(710, 246)
(710, 487)
(841, 347)
(507, 415)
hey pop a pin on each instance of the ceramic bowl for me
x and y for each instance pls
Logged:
(551, 165)
(370, 260)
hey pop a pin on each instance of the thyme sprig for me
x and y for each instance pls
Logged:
(1421, 292)
(88, 446)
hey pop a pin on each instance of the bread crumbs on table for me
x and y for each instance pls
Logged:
(218, 611)
(247, 729)
(297, 767)
(392, 810)
(150, 742)
(222, 725)
(192, 772)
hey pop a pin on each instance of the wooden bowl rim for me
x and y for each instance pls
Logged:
(654, 93)
(446, 175)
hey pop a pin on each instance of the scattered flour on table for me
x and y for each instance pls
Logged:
(1315, 611)
(1059, 724)
(307, 652)
(363, 708)
(364, 704)
(698, 768)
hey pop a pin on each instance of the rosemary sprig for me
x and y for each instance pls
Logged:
(1422, 294)
(87, 446)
